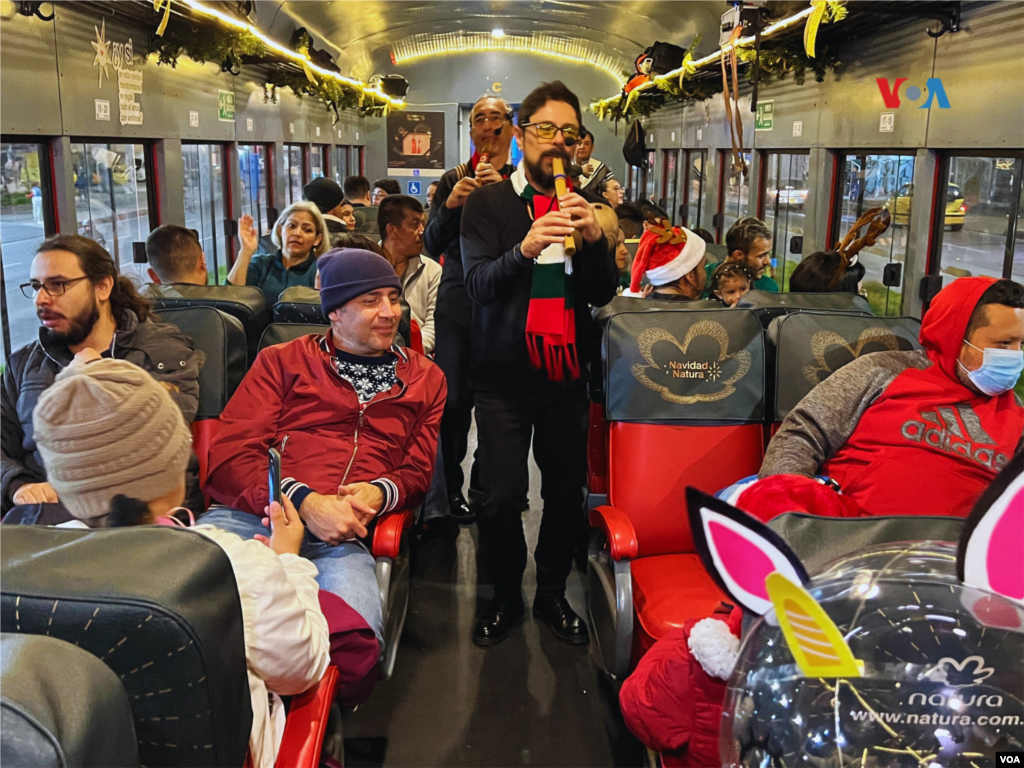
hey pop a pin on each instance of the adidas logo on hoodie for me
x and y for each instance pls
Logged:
(956, 430)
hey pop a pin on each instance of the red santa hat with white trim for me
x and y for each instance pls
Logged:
(666, 253)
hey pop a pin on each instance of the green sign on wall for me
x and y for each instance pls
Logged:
(226, 106)
(764, 116)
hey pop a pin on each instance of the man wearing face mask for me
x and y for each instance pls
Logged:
(532, 339)
(921, 432)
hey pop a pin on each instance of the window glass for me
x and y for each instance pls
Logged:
(879, 180)
(317, 162)
(293, 173)
(649, 187)
(735, 192)
(1017, 271)
(357, 165)
(785, 195)
(341, 164)
(980, 208)
(112, 199)
(693, 187)
(252, 171)
(669, 184)
(204, 204)
(25, 221)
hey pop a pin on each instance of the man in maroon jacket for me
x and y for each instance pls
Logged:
(354, 418)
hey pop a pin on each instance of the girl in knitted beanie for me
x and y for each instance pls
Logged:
(115, 448)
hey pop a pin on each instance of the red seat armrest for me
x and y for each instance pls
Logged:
(306, 724)
(387, 536)
(617, 528)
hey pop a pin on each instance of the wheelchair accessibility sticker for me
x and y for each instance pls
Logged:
(682, 373)
(831, 351)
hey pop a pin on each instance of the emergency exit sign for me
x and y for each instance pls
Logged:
(226, 106)
(764, 116)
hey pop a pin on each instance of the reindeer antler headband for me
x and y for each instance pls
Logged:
(878, 220)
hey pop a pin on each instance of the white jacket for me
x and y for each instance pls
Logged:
(287, 649)
(419, 287)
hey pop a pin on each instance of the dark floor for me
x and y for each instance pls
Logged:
(531, 701)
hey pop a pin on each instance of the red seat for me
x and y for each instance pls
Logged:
(642, 556)
(668, 590)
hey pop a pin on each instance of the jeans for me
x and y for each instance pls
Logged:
(557, 424)
(347, 570)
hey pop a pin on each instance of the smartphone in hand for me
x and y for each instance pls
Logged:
(274, 476)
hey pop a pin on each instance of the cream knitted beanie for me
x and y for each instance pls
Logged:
(107, 427)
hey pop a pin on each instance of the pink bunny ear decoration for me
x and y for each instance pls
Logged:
(740, 552)
(989, 555)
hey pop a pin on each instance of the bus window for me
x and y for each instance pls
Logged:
(869, 181)
(734, 198)
(26, 219)
(294, 173)
(670, 182)
(693, 187)
(317, 161)
(784, 195)
(112, 199)
(204, 204)
(341, 172)
(253, 172)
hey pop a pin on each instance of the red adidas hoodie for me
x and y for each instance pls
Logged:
(925, 444)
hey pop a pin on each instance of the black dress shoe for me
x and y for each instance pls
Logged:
(459, 510)
(497, 621)
(556, 613)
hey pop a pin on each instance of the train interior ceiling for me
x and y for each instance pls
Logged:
(119, 117)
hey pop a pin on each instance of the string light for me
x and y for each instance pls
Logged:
(231, 21)
(772, 29)
(565, 49)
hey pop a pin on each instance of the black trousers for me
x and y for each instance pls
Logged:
(452, 352)
(557, 425)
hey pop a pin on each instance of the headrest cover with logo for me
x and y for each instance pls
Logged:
(684, 366)
(811, 346)
(825, 302)
(160, 607)
(889, 629)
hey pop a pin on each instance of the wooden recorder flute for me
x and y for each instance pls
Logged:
(561, 189)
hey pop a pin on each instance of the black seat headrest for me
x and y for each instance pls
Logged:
(808, 347)
(768, 305)
(818, 540)
(684, 366)
(160, 607)
(61, 706)
(246, 302)
(299, 304)
(221, 339)
(635, 304)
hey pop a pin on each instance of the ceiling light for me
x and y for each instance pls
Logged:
(497, 32)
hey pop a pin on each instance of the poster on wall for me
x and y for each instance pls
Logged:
(415, 141)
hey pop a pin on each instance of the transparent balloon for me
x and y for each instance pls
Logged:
(943, 676)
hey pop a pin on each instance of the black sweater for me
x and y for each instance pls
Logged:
(442, 237)
(495, 220)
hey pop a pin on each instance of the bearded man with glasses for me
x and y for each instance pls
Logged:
(83, 303)
(532, 340)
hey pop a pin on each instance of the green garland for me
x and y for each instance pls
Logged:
(778, 60)
(337, 96)
(227, 47)
(203, 43)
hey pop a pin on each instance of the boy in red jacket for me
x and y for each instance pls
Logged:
(354, 418)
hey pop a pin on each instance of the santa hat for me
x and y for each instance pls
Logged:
(665, 254)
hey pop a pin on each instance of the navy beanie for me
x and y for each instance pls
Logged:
(346, 273)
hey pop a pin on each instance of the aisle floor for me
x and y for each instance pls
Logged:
(531, 701)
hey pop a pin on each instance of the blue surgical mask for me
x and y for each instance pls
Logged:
(1000, 369)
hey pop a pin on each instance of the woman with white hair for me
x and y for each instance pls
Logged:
(301, 236)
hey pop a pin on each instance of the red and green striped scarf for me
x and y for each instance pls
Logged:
(551, 318)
